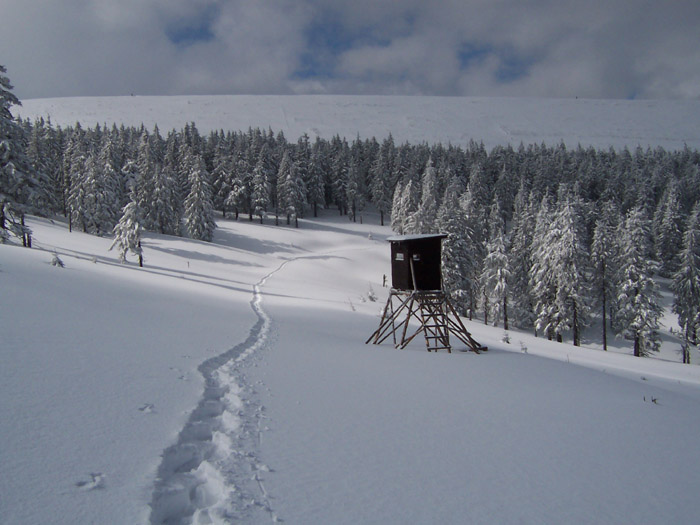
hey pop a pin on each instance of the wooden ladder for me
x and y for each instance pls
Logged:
(434, 321)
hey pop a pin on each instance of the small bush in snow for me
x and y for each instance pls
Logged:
(56, 261)
(371, 295)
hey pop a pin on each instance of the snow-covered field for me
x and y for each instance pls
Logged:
(456, 120)
(229, 381)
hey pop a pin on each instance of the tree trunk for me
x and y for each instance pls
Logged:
(381, 217)
(505, 313)
(605, 325)
(576, 329)
(636, 346)
(486, 310)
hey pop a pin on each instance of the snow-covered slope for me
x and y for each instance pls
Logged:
(456, 120)
(229, 382)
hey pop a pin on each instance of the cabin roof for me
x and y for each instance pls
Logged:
(401, 238)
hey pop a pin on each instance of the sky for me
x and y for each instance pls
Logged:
(619, 49)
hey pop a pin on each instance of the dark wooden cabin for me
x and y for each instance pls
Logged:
(416, 262)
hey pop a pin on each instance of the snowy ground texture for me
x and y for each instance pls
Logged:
(229, 382)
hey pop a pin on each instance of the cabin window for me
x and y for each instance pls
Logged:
(399, 256)
(416, 256)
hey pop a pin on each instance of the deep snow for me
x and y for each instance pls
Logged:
(456, 120)
(105, 415)
(229, 381)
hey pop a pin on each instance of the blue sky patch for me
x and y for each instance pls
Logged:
(470, 53)
(511, 66)
(326, 39)
(186, 32)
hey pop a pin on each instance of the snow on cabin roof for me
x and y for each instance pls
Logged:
(400, 238)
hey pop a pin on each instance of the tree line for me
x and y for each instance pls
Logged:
(543, 237)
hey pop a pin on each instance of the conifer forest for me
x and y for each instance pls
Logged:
(540, 237)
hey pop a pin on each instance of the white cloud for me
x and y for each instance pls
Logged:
(600, 48)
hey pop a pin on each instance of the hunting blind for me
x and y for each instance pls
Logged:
(416, 286)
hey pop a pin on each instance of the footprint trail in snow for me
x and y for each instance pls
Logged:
(212, 473)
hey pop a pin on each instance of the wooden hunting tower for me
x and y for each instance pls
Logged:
(416, 262)
(416, 282)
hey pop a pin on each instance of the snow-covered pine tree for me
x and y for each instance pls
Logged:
(294, 195)
(668, 231)
(686, 284)
(559, 274)
(424, 218)
(282, 199)
(397, 212)
(199, 209)
(101, 189)
(381, 176)
(222, 176)
(127, 232)
(476, 220)
(166, 209)
(495, 273)
(93, 211)
(410, 201)
(261, 190)
(476, 201)
(316, 185)
(522, 233)
(145, 184)
(339, 168)
(573, 299)
(542, 280)
(459, 267)
(38, 153)
(18, 184)
(604, 262)
(77, 196)
(172, 161)
(302, 156)
(354, 190)
(638, 296)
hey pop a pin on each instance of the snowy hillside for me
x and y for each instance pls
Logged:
(456, 120)
(229, 382)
